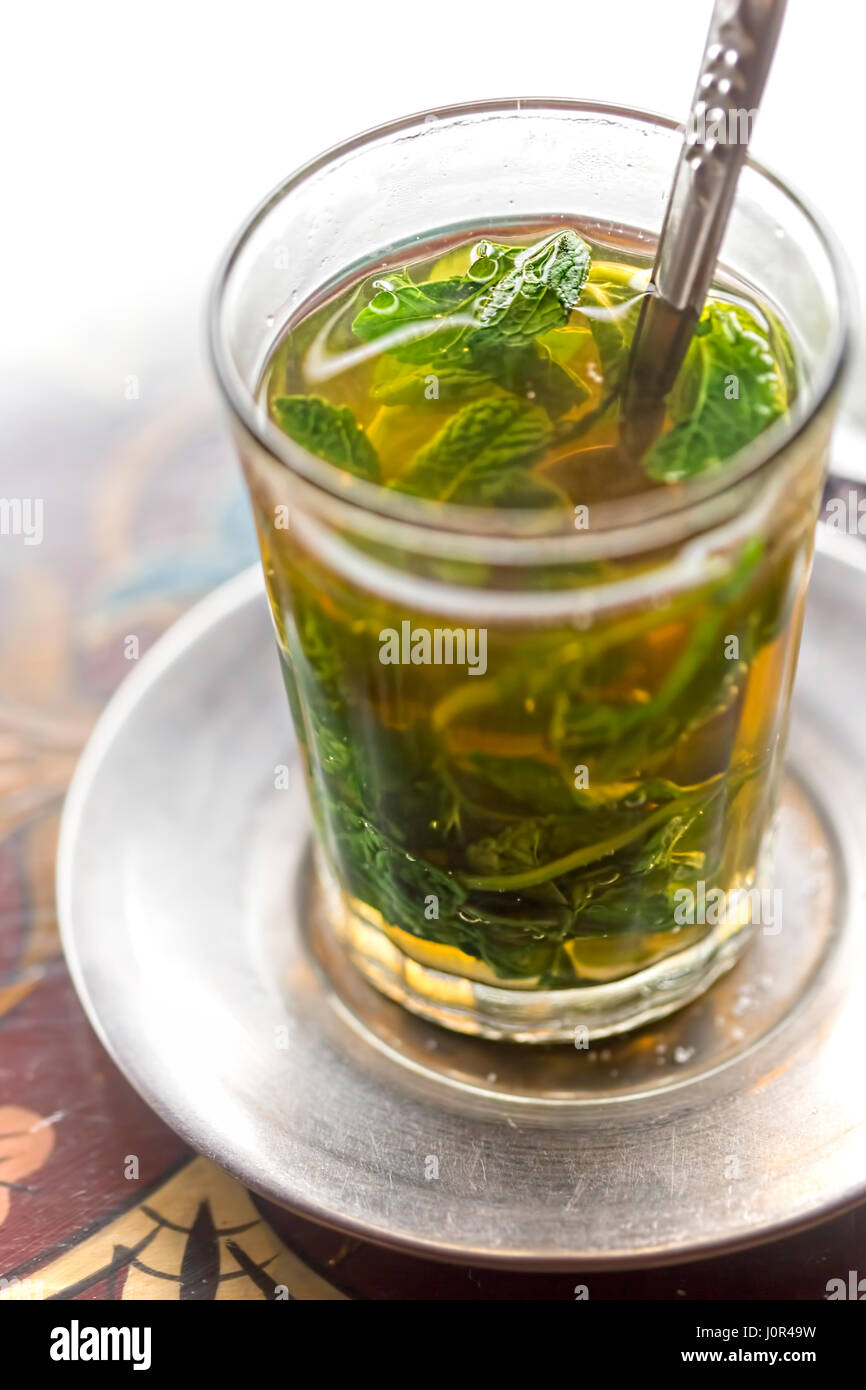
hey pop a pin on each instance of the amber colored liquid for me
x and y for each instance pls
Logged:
(662, 720)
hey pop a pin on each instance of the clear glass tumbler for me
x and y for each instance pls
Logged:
(652, 653)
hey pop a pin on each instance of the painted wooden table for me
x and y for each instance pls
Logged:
(141, 512)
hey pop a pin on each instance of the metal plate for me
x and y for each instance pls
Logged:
(194, 935)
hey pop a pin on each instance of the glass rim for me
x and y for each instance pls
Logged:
(549, 533)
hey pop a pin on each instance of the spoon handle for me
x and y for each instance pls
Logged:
(737, 57)
(739, 49)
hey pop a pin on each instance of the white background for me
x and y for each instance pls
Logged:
(136, 137)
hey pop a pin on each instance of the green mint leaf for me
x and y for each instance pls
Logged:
(483, 439)
(531, 786)
(401, 383)
(523, 369)
(730, 388)
(331, 432)
(540, 289)
(530, 853)
(510, 292)
(528, 370)
(514, 487)
(398, 303)
(568, 268)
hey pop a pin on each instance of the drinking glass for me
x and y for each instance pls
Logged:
(656, 646)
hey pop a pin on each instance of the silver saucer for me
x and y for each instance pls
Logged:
(194, 933)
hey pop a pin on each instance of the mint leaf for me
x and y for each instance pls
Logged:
(540, 289)
(530, 853)
(730, 388)
(481, 440)
(532, 787)
(399, 302)
(567, 268)
(523, 369)
(528, 370)
(516, 488)
(331, 432)
(513, 292)
(399, 383)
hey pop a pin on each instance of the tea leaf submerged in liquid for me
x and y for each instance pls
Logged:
(546, 324)
(479, 450)
(533, 826)
(330, 431)
(729, 361)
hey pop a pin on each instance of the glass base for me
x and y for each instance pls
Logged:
(484, 1010)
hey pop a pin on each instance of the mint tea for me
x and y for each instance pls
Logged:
(516, 804)
(540, 678)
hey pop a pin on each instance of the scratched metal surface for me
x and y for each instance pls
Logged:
(261, 1061)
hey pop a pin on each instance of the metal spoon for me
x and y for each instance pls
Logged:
(737, 56)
